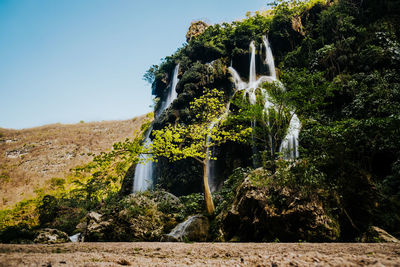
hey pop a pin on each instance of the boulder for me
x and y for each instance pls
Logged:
(167, 201)
(92, 227)
(378, 235)
(136, 217)
(271, 212)
(195, 228)
(51, 236)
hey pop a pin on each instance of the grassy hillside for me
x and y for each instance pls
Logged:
(30, 158)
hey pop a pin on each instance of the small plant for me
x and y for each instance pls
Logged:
(4, 177)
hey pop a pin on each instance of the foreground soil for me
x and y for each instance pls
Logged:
(201, 254)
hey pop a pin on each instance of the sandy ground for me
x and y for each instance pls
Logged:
(200, 254)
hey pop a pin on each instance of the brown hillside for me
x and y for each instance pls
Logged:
(30, 157)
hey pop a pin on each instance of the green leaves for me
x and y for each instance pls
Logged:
(179, 141)
(309, 92)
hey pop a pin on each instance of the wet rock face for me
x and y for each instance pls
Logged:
(269, 213)
(180, 178)
(127, 182)
(51, 236)
(195, 228)
(196, 28)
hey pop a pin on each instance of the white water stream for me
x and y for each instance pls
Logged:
(179, 231)
(143, 179)
(289, 145)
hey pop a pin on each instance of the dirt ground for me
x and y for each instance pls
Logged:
(201, 254)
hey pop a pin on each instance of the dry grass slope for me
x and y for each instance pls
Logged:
(31, 157)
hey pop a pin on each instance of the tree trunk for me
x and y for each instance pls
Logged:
(207, 192)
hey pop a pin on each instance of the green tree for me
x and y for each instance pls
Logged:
(177, 142)
(270, 117)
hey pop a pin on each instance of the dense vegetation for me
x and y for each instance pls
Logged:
(339, 62)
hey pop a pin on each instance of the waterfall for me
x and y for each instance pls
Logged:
(143, 179)
(269, 59)
(239, 84)
(172, 94)
(289, 145)
(250, 91)
(252, 72)
(254, 83)
(180, 229)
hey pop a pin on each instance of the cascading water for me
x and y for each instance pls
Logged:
(289, 145)
(143, 179)
(269, 59)
(252, 72)
(254, 83)
(172, 94)
(250, 91)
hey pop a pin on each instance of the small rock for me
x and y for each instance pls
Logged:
(124, 262)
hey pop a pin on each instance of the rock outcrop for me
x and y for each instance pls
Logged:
(93, 227)
(196, 28)
(195, 228)
(271, 213)
(378, 235)
(51, 236)
(138, 217)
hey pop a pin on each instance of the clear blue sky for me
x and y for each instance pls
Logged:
(71, 60)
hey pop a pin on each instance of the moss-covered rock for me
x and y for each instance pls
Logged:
(272, 212)
(51, 236)
(137, 217)
(378, 235)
